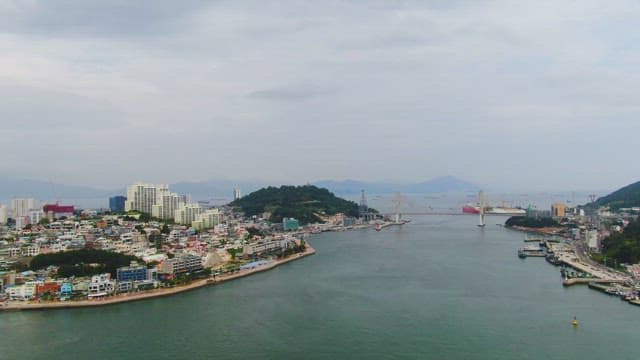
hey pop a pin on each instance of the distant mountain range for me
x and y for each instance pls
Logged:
(210, 189)
(442, 184)
(214, 189)
(44, 191)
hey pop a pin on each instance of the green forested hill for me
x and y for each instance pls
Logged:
(624, 246)
(531, 222)
(300, 202)
(628, 196)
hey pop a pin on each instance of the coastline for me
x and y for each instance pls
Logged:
(543, 231)
(122, 298)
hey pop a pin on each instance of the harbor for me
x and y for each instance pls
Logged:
(574, 271)
(358, 288)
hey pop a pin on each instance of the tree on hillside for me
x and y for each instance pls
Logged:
(624, 247)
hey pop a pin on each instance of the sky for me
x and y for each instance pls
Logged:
(507, 94)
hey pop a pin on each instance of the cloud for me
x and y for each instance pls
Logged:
(340, 89)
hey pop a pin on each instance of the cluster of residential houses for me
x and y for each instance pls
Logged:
(197, 237)
(31, 285)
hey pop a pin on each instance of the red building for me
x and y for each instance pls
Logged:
(50, 287)
(56, 211)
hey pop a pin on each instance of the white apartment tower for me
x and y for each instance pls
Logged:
(167, 204)
(4, 214)
(21, 206)
(35, 215)
(187, 213)
(207, 219)
(141, 197)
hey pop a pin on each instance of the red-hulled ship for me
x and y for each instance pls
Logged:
(471, 209)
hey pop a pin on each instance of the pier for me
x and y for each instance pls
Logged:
(599, 275)
(574, 281)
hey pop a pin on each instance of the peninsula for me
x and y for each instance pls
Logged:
(159, 245)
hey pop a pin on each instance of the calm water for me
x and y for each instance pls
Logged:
(438, 287)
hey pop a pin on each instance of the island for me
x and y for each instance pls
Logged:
(308, 204)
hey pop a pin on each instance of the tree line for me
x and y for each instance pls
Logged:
(84, 262)
(623, 246)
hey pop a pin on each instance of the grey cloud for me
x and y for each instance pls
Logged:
(426, 87)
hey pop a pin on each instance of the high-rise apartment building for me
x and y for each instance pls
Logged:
(207, 219)
(158, 201)
(20, 206)
(116, 203)
(142, 197)
(167, 204)
(187, 213)
(4, 214)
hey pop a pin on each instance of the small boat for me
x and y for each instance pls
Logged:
(378, 227)
(575, 321)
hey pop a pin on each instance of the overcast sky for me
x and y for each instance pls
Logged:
(510, 94)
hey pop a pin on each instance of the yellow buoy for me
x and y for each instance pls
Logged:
(575, 321)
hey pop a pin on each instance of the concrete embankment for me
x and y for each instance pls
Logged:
(117, 299)
(574, 281)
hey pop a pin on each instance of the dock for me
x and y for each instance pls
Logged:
(574, 281)
(598, 275)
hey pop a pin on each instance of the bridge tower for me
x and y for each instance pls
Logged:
(398, 203)
(363, 208)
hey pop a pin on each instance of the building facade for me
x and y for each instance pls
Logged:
(20, 206)
(116, 203)
(141, 197)
(167, 204)
(558, 210)
(4, 214)
(134, 272)
(56, 211)
(207, 219)
(187, 213)
(290, 224)
(182, 264)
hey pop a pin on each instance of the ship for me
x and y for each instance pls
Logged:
(493, 210)
(501, 210)
(487, 209)
(471, 209)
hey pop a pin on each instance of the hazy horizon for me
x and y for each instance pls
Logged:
(509, 95)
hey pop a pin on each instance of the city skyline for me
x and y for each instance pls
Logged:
(515, 96)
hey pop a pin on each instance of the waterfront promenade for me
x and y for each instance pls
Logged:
(121, 298)
(601, 273)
